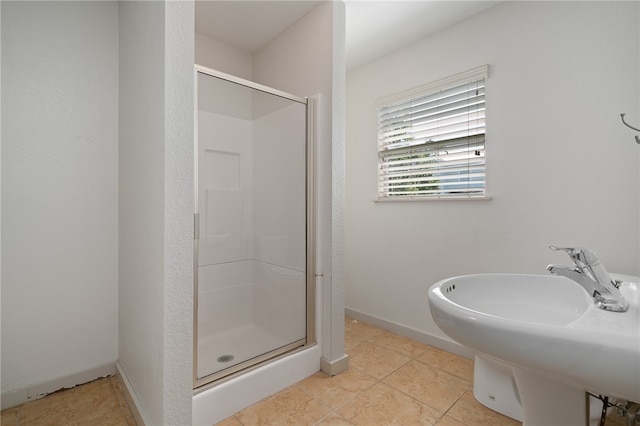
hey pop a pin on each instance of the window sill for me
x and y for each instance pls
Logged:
(443, 198)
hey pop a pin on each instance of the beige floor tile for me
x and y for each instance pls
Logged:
(469, 411)
(9, 417)
(383, 405)
(356, 332)
(102, 421)
(455, 364)
(402, 344)
(229, 421)
(614, 420)
(337, 390)
(122, 401)
(449, 421)
(335, 420)
(92, 403)
(430, 385)
(292, 406)
(375, 360)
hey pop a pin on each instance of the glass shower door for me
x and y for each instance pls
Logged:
(252, 272)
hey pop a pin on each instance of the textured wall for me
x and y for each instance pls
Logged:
(156, 207)
(59, 189)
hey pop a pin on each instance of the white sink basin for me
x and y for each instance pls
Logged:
(545, 325)
(535, 299)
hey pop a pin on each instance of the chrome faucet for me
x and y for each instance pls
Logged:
(590, 274)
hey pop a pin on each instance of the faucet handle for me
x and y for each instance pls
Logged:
(569, 250)
(582, 257)
(587, 264)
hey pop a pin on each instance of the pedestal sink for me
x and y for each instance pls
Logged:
(547, 328)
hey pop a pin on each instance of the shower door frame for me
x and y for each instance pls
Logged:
(208, 381)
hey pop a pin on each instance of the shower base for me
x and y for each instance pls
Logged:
(242, 343)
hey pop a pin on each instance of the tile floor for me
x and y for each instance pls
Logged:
(392, 380)
(100, 402)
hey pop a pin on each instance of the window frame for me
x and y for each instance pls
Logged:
(387, 147)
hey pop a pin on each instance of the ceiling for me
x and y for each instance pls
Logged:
(248, 25)
(373, 28)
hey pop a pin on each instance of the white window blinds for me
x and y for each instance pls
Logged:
(431, 140)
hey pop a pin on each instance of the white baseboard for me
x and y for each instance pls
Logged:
(130, 396)
(14, 397)
(336, 367)
(411, 333)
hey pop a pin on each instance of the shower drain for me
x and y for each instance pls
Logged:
(225, 358)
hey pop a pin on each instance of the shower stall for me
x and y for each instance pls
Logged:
(254, 257)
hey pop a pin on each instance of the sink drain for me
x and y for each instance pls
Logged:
(225, 358)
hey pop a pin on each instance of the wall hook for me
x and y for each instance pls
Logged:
(631, 127)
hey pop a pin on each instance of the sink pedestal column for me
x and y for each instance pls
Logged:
(548, 402)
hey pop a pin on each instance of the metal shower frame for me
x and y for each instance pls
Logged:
(204, 383)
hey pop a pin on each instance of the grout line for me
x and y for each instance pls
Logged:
(420, 401)
(452, 405)
(412, 358)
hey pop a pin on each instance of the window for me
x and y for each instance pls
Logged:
(431, 140)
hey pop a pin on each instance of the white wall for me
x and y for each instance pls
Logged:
(178, 212)
(141, 233)
(214, 54)
(156, 207)
(59, 194)
(97, 166)
(561, 168)
(303, 61)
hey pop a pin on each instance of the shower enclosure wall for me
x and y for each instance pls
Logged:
(254, 226)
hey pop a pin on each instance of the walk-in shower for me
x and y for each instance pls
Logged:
(254, 260)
